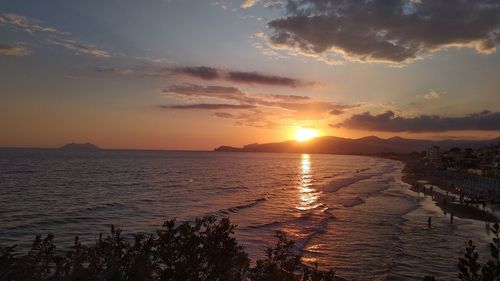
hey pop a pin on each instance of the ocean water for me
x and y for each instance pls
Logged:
(350, 213)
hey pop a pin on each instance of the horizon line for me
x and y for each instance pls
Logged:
(210, 150)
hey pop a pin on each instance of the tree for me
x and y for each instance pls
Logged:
(200, 250)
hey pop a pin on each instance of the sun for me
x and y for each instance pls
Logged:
(304, 134)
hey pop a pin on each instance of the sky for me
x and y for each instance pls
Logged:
(197, 74)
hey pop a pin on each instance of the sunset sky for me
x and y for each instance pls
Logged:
(197, 74)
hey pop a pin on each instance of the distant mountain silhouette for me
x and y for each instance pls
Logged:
(366, 145)
(80, 147)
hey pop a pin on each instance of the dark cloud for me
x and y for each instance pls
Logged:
(211, 73)
(299, 106)
(381, 30)
(337, 111)
(208, 106)
(224, 115)
(13, 50)
(389, 122)
(259, 78)
(260, 110)
(202, 72)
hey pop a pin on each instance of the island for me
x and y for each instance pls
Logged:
(80, 147)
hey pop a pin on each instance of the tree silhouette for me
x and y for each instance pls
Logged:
(199, 250)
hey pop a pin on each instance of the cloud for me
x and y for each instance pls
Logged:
(243, 77)
(202, 72)
(255, 110)
(208, 73)
(252, 118)
(337, 111)
(259, 78)
(123, 71)
(389, 122)
(286, 106)
(432, 94)
(80, 48)
(266, 3)
(24, 23)
(193, 90)
(208, 106)
(288, 97)
(224, 115)
(51, 35)
(13, 50)
(248, 4)
(386, 31)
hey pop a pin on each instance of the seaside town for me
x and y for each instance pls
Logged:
(474, 171)
(463, 182)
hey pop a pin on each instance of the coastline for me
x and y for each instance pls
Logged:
(447, 199)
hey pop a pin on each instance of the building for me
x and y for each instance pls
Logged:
(434, 154)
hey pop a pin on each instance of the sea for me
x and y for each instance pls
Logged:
(352, 214)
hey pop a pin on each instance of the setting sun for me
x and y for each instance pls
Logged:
(303, 134)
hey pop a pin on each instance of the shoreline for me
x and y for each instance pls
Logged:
(447, 200)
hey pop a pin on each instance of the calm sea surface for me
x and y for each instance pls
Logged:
(350, 213)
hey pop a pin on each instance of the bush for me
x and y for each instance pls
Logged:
(200, 250)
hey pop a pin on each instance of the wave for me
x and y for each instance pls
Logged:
(360, 175)
(301, 229)
(237, 208)
(21, 172)
(353, 202)
(362, 170)
(341, 183)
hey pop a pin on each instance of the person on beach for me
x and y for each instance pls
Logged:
(451, 218)
(429, 222)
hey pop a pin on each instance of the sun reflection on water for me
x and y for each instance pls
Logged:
(308, 196)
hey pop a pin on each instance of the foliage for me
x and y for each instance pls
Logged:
(468, 265)
(199, 250)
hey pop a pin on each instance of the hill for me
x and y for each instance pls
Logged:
(366, 145)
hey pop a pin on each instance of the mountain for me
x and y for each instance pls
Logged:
(366, 145)
(80, 147)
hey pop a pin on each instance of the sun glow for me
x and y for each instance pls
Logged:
(304, 134)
